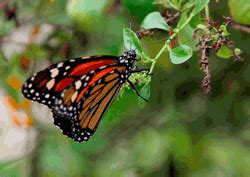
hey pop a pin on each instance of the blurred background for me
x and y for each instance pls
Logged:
(180, 132)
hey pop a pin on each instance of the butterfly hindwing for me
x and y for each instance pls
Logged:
(89, 103)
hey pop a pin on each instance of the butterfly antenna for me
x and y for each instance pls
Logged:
(163, 39)
(130, 26)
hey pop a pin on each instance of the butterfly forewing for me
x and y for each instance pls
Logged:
(45, 85)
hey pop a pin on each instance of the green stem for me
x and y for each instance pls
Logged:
(207, 12)
(166, 44)
(173, 6)
(182, 26)
(157, 57)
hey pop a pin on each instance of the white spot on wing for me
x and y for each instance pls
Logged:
(67, 67)
(73, 97)
(83, 76)
(78, 84)
(50, 84)
(60, 65)
(54, 72)
(102, 67)
(47, 95)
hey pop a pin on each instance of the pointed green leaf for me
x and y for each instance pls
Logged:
(199, 6)
(154, 20)
(145, 93)
(180, 54)
(225, 52)
(224, 29)
(131, 41)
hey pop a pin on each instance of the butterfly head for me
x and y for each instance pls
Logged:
(128, 57)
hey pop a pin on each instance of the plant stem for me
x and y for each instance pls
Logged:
(166, 43)
(182, 26)
(207, 12)
(173, 6)
(157, 57)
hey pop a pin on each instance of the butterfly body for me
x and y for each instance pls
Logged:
(79, 91)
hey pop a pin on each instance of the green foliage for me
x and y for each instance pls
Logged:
(224, 29)
(180, 54)
(154, 20)
(225, 52)
(145, 93)
(196, 20)
(139, 8)
(36, 52)
(53, 12)
(87, 14)
(199, 6)
(240, 10)
(131, 41)
(5, 26)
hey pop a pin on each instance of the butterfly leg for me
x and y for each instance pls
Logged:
(138, 59)
(134, 88)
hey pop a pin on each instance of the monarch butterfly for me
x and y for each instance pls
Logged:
(79, 91)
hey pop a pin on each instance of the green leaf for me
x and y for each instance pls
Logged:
(154, 20)
(185, 36)
(225, 52)
(87, 6)
(240, 10)
(180, 54)
(88, 15)
(199, 6)
(188, 5)
(224, 29)
(145, 93)
(203, 27)
(196, 20)
(139, 8)
(131, 41)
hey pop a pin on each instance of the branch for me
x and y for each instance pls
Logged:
(237, 26)
(240, 27)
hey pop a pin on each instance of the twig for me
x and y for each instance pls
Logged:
(204, 65)
(143, 32)
(237, 26)
(170, 18)
(241, 27)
